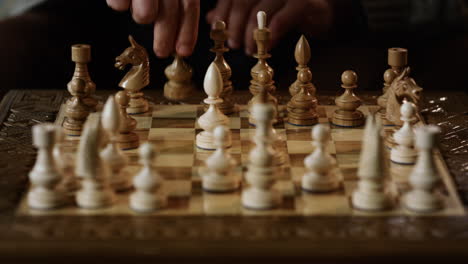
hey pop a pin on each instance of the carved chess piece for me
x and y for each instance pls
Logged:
(81, 55)
(76, 110)
(424, 176)
(347, 114)
(219, 35)
(370, 194)
(404, 152)
(126, 138)
(213, 117)
(95, 191)
(179, 85)
(44, 176)
(137, 78)
(149, 192)
(263, 78)
(320, 166)
(302, 56)
(64, 163)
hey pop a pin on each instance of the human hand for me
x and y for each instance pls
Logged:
(175, 22)
(309, 16)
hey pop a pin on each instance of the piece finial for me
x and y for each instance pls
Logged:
(320, 133)
(219, 25)
(349, 78)
(302, 51)
(213, 82)
(110, 115)
(220, 134)
(261, 19)
(407, 109)
(147, 153)
(122, 98)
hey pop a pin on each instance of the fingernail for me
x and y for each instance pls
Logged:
(184, 50)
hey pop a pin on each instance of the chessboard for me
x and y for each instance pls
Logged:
(172, 130)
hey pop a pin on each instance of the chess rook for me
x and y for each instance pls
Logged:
(424, 176)
(76, 110)
(44, 176)
(404, 152)
(213, 117)
(126, 138)
(179, 85)
(81, 56)
(347, 114)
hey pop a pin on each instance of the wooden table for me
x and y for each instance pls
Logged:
(210, 237)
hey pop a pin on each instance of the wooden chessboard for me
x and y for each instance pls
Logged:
(172, 130)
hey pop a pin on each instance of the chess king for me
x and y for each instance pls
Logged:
(136, 78)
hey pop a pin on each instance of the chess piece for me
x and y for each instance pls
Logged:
(76, 110)
(81, 56)
(95, 190)
(302, 56)
(219, 35)
(213, 117)
(218, 175)
(261, 194)
(179, 85)
(126, 138)
(370, 195)
(404, 152)
(424, 176)
(262, 37)
(397, 60)
(263, 78)
(149, 194)
(347, 114)
(321, 167)
(137, 78)
(64, 163)
(112, 154)
(302, 108)
(44, 176)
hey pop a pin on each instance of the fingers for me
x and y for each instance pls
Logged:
(144, 11)
(238, 15)
(286, 19)
(188, 31)
(165, 27)
(220, 12)
(270, 7)
(119, 5)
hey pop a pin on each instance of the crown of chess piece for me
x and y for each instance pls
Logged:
(424, 177)
(263, 78)
(149, 192)
(126, 138)
(397, 60)
(44, 176)
(137, 77)
(179, 85)
(95, 189)
(219, 36)
(261, 176)
(81, 56)
(302, 108)
(302, 56)
(370, 194)
(112, 154)
(76, 110)
(321, 169)
(262, 37)
(218, 175)
(213, 117)
(404, 152)
(347, 114)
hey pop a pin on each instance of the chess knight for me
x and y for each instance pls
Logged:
(402, 88)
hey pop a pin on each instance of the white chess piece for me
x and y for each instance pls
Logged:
(149, 194)
(64, 162)
(320, 165)
(370, 194)
(213, 117)
(218, 176)
(404, 152)
(424, 176)
(95, 190)
(112, 154)
(44, 176)
(261, 194)
(261, 19)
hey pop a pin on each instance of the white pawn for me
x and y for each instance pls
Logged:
(424, 176)
(213, 117)
(112, 154)
(95, 190)
(404, 152)
(261, 194)
(370, 193)
(149, 194)
(320, 165)
(218, 175)
(44, 176)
